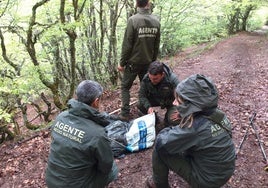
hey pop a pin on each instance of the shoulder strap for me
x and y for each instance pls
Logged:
(220, 119)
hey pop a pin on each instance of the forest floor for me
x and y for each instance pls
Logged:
(239, 67)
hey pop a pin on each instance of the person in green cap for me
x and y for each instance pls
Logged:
(200, 148)
(80, 152)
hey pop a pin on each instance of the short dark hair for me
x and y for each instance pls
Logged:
(88, 90)
(156, 67)
(142, 3)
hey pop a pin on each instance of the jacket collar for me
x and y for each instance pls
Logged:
(143, 10)
(83, 110)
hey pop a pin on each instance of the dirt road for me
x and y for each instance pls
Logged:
(239, 67)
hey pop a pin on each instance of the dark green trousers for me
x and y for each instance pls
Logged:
(161, 169)
(54, 178)
(181, 165)
(129, 75)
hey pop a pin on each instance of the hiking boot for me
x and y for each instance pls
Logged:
(149, 183)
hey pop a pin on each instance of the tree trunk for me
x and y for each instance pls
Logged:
(246, 16)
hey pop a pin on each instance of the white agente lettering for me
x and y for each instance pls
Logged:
(72, 132)
(216, 130)
(148, 30)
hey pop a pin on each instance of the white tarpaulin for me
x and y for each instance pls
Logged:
(141, 134)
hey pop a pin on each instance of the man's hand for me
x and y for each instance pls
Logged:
(120, 68)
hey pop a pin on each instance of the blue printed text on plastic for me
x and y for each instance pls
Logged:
(143, 133)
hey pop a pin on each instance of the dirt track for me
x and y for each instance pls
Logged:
(239, 67)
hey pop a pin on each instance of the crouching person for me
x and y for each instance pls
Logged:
(200, 149)
(80, 153)
(157, 90)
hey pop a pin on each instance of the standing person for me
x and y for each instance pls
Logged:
(140, 48)
(157, 89)
(80, 153)
(200, 149)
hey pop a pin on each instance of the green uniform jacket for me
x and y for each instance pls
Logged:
(207, 145)
(141, 40)
(80, 155)
(161, 94)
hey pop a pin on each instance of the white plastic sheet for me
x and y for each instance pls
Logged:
(141, 134)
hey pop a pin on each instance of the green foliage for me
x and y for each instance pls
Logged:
(5, 117)
(30, 84)
(188, 23)
(258, 19)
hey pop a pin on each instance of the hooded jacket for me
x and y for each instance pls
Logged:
(199, 94)
(206, 144)
(161, 94)
(141, 40)
(80, 154)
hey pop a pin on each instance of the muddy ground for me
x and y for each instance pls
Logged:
(239, 67)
